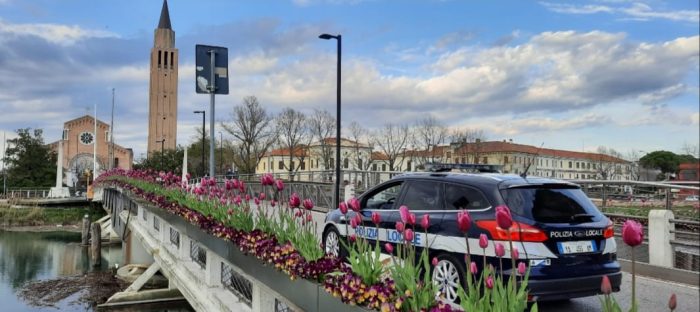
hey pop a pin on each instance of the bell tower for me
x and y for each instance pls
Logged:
(162, 95)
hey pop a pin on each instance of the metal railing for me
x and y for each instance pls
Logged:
(24, 193)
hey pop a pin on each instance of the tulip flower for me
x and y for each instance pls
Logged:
(464, 221)
(514, 253)
(672, 302)
(473, 268)
(376, 218)
(235, 184)
(408, 235)
(605, 286)
(500, 250)
(279, 185)
(261, 196)
(343, 208)
(241, 187)
(354, 204)
(353, 237)
(632, 233)
(503, 217)
(400, 227)
(257, 201)
(309, 218)
(435, 261)
(294, 201)
(425, 221)
(389, 247)
(522, 268)
(308, 204)
(273, 203)
(403, 212)
(353, 223)
(489, 282)
(411, 218)
(483, 241)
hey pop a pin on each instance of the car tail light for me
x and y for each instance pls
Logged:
(609, 230)
(519, 231)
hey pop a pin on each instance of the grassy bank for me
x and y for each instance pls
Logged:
(41, 216)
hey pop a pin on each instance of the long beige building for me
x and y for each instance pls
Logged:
(162, 107)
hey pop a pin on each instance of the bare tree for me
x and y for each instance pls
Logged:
(690, 149)
(467, 142)
(322, 126)
(427, 134)
(392, 140)
(606, 167)
(293, 137)
(252, 126)
(359, 134)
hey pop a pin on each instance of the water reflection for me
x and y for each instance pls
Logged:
(26, 256)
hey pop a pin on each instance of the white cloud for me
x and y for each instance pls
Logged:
(54, 33)
(695, 119)
(634, 11)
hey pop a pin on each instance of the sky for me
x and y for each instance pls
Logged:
(570, 75)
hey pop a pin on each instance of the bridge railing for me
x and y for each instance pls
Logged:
(27, 193)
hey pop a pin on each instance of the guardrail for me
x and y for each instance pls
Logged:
(28, 193)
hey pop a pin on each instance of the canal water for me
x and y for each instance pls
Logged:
(32, 256)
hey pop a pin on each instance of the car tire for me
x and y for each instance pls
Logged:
(448, 274)
(332, 243)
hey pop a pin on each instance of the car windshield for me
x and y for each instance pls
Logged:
(551, 204)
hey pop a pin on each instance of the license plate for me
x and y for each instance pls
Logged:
(576, 247)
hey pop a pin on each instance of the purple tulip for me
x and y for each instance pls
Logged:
(464, 221)
(503, 217)
(500, 250)
(403, 212)
(632, 233)
(483, 241)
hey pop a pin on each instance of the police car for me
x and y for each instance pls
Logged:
(567, 242)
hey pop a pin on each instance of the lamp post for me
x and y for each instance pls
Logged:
(162, 141)
(204, 114)
(337, 118)
(221, 152)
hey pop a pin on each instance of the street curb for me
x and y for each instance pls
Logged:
(668, 274)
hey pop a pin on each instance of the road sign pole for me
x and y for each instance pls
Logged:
(212, 89)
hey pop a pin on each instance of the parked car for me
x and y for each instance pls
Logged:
(692, 198)
(567, 242)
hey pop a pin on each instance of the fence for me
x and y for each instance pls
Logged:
(28, 193)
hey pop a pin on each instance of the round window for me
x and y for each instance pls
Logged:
(87, 138)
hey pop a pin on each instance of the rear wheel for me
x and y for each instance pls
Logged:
(448, 275)
(331, 243)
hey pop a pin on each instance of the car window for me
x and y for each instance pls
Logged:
(383, 198)
(423, 195)
(459, 197)
(552, 204)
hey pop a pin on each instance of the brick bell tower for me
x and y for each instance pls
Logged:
(162, 95)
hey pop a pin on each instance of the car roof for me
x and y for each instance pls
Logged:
(484, 179)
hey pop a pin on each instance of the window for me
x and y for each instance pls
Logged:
(464, 160)
(505, 159)
(423, 195)
(456, 160)
(165, 64)
(116, 162)
(65, 134)
(486, 160)
(346, 163)
(449, 155)
(374, 167)
(570, 165)
(408, 165)
(264, 166)
(383, 198)
(593, 166)
(106, 136)
(359, 164)
(280, 165)
(159, 56)
(172, 56)
(383, 167)
(462, 197)
(332, 163)
(303, 165)
(577, 165)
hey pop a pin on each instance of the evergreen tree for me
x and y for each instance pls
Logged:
(30, 162)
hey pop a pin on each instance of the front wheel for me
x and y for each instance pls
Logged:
(331, 243)
(448, 276)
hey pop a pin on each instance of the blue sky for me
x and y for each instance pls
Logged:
(569, 75)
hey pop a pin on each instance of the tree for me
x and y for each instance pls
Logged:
(607, 168)
(322, 126)
(252, 126)
(391, 140)
(170, 160)
(293, 137)
(463, 139)
(30, 163)
(357, 135)
(194, 153)
(428, 133)
(665, 161)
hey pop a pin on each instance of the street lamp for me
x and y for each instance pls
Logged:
(221, 153)
(337, 118)
(162, 141)
(204, 114)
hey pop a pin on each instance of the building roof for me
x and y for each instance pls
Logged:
(499, 146)
(379, 156)
(90, 117)
(299, 151)
(164, 16)
(343, 142)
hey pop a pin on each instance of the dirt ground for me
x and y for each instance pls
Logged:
(92, 288)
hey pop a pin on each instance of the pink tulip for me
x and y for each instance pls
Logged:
(464, 221)
(353, 223)
(514, 253)
(354, 204)
(425, 221)
(408, 235)
(241, 187)
(605, 286)
(403, 212)
(389, 247)
(309, 218)
(522, 268)
(500, 250)
(400, 227)
(257, 201)
(279, 184)
(235, 184)
(473, 268)
(489, 282)
(411, 218)
(632, 233)
(483, 241)
(376, 218)
(294, 201)
(262, 196)
(435, 261)
(308, 204)
(672, 302)
(227, 185)
(503, 217)
(353, 237)
(273, 203)
(343, 208)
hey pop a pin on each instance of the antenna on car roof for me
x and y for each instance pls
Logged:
(524, 174)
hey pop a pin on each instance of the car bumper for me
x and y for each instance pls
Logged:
(568, 288)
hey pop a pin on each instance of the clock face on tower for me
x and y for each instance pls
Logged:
(87, 138)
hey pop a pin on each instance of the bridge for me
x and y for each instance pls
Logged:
(214, 275)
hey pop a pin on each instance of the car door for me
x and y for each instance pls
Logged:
(423, 197)
(382, 200)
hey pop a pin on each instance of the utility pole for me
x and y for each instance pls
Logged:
(111, 136)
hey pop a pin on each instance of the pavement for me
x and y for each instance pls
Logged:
(652, 294)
